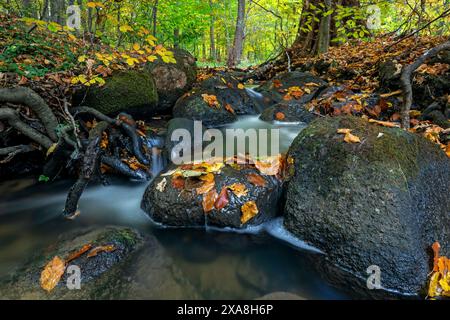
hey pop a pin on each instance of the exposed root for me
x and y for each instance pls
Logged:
(14, 121)
(26, 96)
(117, 165)
(11, 152)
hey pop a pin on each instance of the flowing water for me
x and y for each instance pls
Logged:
(220, 264)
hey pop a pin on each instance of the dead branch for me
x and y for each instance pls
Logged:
(406, 80)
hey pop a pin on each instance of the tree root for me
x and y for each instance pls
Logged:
(26, 96)
(122, 168)
(14, 121)
(90, 165)
(126, 123)
(11, 152)
(406, 81)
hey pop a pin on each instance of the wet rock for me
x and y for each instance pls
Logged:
(173, 79)
(288, 112)
(120, 274)
(183, 208)
(129, 91)
(380, 202)
(194, 107)
(274, 89)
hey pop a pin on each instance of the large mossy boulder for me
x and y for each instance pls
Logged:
(180, 204)
(200, 105)
(173, 79)
(381, 202)
(129, 91)
(121, 272)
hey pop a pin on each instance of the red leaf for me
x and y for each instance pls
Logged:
(223, 200)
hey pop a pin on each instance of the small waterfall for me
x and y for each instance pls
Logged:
(156, 144)
(257, 97)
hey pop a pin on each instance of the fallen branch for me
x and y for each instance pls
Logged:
(11, 152)
(26, 96)
(406, 81)
(90, 164)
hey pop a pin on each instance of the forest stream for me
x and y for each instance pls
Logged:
(220, 264)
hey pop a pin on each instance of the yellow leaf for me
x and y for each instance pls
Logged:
(433, 286)
(241, 86)
(91, 4)
(350, 138)
(82, 58)
(132, 61)
(249, 211)
(136, 46)
(51, 149)
(151, 58)
(125, 28)
(52, 273)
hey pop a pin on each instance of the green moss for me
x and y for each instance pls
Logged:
(126, 237)
(123, 91)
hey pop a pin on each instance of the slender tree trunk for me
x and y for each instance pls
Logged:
(323, 41)
(235, 54)
(176, 38)
(155, 17)
(212, 41)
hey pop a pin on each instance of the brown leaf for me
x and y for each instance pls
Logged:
(256, 180)
(436, 247)
(208, 183)
(79, 253)
(209, 199)
(178, 182)
(211, 100)
(277, 84)
(223, 199)
(97, 250)
(249, 210)
(52, 273)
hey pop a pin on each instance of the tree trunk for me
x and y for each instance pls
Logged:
(155, 16)
(212, 41)
(323, 41)
(234, 57)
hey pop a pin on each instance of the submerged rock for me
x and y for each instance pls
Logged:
(380, 202)
(173, 205)
(173, 80)
(125, 91)
(122, 273)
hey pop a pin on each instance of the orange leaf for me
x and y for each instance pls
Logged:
(208, 184)
(277, 84)
(270, 166)
(280, 116)
(350, 138)
(79, 253)
(209, 199)
(229, 108)
(385, 123)
(97, 250)
(256, 180)
(239, 189)
(211, 100)
(223, 199)
(52, 273)
(249, 210)
(436, 247)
